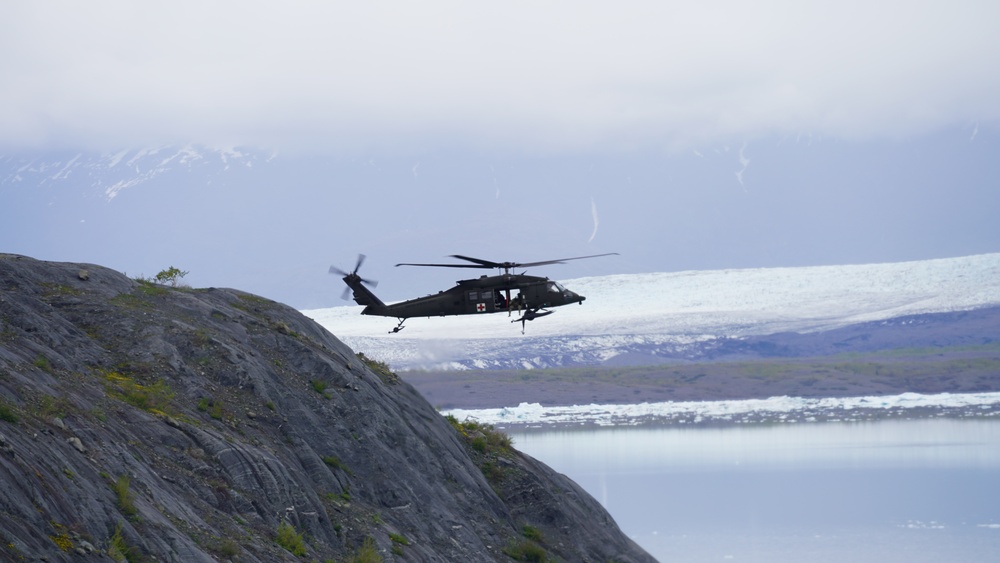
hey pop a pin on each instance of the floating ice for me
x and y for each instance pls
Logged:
(774, 409)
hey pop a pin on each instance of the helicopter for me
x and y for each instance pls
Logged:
(528, 296)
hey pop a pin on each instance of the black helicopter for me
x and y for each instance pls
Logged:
(528, 296)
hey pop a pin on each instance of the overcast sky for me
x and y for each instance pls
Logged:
(520, 76)
(694, 135)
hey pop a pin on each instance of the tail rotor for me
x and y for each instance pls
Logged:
(352, 277)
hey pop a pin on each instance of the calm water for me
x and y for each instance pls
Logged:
(901, 490)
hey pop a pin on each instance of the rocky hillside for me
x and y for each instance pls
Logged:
(146, 422)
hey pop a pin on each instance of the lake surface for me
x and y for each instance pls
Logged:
(896, 490)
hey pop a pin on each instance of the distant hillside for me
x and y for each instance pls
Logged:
(145, 422)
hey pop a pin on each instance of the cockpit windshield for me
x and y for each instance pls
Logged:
(554, 287)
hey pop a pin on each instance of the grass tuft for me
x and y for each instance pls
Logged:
(526, 550)
(126, 498)
(380, 368)
(150, 398)
(7, 413)
(367, 553)
(118, 549)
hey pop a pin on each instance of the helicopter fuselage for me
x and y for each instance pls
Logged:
(485, 294)
(528, 296)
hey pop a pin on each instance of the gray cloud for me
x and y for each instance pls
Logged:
(521, 76)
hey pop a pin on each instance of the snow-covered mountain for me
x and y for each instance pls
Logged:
(108, 174)
(648, 318)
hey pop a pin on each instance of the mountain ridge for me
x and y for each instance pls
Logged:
(108, 173)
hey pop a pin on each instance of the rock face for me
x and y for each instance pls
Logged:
(153, 423)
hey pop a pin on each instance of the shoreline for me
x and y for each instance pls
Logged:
(775, 410)
(888, 373)
(899, 383)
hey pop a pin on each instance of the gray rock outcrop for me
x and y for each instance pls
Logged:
(171, 424)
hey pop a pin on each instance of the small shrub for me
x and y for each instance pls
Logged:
(7, 413)
(118, 549)
(126, 499)
(211, 406)
(227, 548)
(493, 472)
(171, 275)
(367, 553)
(318, 385)
(334, 462)
(399, 538)
(291, 540)
(62, 541)
(283, 328)
(151, 398)
(380, 368)
(484, 438)
(49, 406)
(532, 533)
(526, 551)
(479, 443)
(201, 338)
(487, 442)
(61, 537)
(43, 363)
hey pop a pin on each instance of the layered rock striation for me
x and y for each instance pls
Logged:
(147, 422)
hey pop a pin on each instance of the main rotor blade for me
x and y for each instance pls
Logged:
(447, 265)
(512, 265)
(482, 263)
(562, 260)
(489, 265)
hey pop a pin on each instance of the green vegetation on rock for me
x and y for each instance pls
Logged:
(290, 539)
(7, 413)
(193, 415)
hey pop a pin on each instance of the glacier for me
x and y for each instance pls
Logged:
(668, 315)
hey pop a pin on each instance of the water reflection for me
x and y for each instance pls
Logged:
(918, 490)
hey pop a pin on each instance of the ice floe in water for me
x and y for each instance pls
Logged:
(773, 409)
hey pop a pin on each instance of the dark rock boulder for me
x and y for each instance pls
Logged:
(171, 424)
